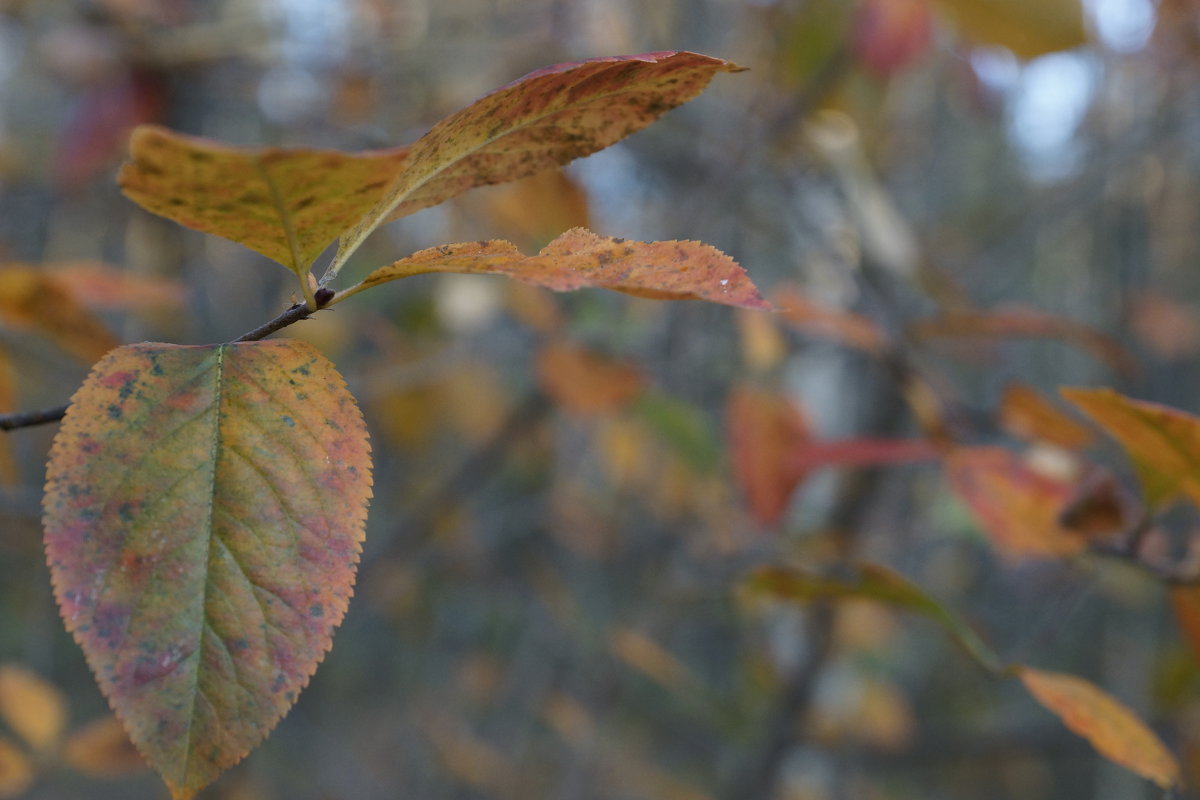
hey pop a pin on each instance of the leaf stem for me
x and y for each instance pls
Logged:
(299, 311)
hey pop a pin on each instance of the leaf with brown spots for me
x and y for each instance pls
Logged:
(580, 259)
(1114, 730)
(204, 513)
(547, 118)
(287, 203)
(1162, 442)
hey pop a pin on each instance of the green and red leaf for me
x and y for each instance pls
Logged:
(204, 513)
(580, 259)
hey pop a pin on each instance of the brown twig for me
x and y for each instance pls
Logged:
(44, 416)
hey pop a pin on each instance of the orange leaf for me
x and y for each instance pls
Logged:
(1185, 602)
(204, 513)
(547, 118)
(1026, 323)
(37, 299)
(1027, 415)
(1015, 505)
(286, 203)
(1166, 327)
(579, 258)
(16, 770)
(583, 382)
(846, 327)
(1114, 730)
(101, 749)
(765, 430)
(32, 706)
(107, 288)
(1162, 442)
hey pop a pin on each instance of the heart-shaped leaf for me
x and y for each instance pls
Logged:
(287, 204)
(547, 118)
(579, 259)
(204, 513)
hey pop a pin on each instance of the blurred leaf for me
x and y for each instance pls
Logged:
(579, 259)
(1115, 731)
(873, 582)
(1029, 28)
(547, 118)
(37, 299)
(1026, 414)
(34, 708)
(16, 770)
(1015, 323)
(101, 749)
(287, 204)
(1165, 326)
(584, 382)
(108, 288)
(682, 427)
(763, 344)
(891, 34)
(533, 209)
(204, 511)
(1017, 506)
(1162, 442)
(765, 431)
(650, 658)
(854, 330)
(1185, 602)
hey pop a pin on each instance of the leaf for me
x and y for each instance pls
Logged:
(765, 430)
(873, 582)
(204, 514)
(1017, 506)
(1162, 442)
(854, 330)
(1029, 28)
(16, 770)
(108, 288)
(1115, 731)
(547, 118)
(586, 383)
(36, 299)
(891, 34)
(1185, 602)
(33, 707)
(579, 259)
(1012, 323)
(286, 203)
(1027, 415)
(101, 749)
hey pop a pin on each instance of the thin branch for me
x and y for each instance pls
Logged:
(44, 416)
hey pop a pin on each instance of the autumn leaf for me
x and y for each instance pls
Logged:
(38, 300)
(34, 708)
(101, 749)
(765, 430)
(579, 259)
(204, 512)
(1029, 28)
(285, 203)
(1017, 506)
(1162, 442)
(585, 383)
(16, 770)
(1027, 415)
(1115, 731)
(872, 582)
(1185, 602)
(813, 318)
(547, 118)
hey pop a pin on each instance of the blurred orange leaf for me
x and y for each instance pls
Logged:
(1012, 323)
(287, 204)
(579, 259)
(1165, 326)
(1027, 415)
(846, 327)
(1029, 28)
(584, 382)
(534, 209)
(16, 770)
(34, 708)
(547, 118)
(1162, 442)
(1114, 730)
(891, 34)
(765, 431)
(1017, 506)
(1185, 602)
(107, 288)
(101, 749)
(649, 657)
(39, 300)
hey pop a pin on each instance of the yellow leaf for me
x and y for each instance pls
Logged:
(1029, 28)
(101, 749)
(649, 657)
(33, 707)
(16, 771)
(37, 299)
(1115, 731)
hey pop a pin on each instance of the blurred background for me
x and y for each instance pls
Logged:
(954, 202)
